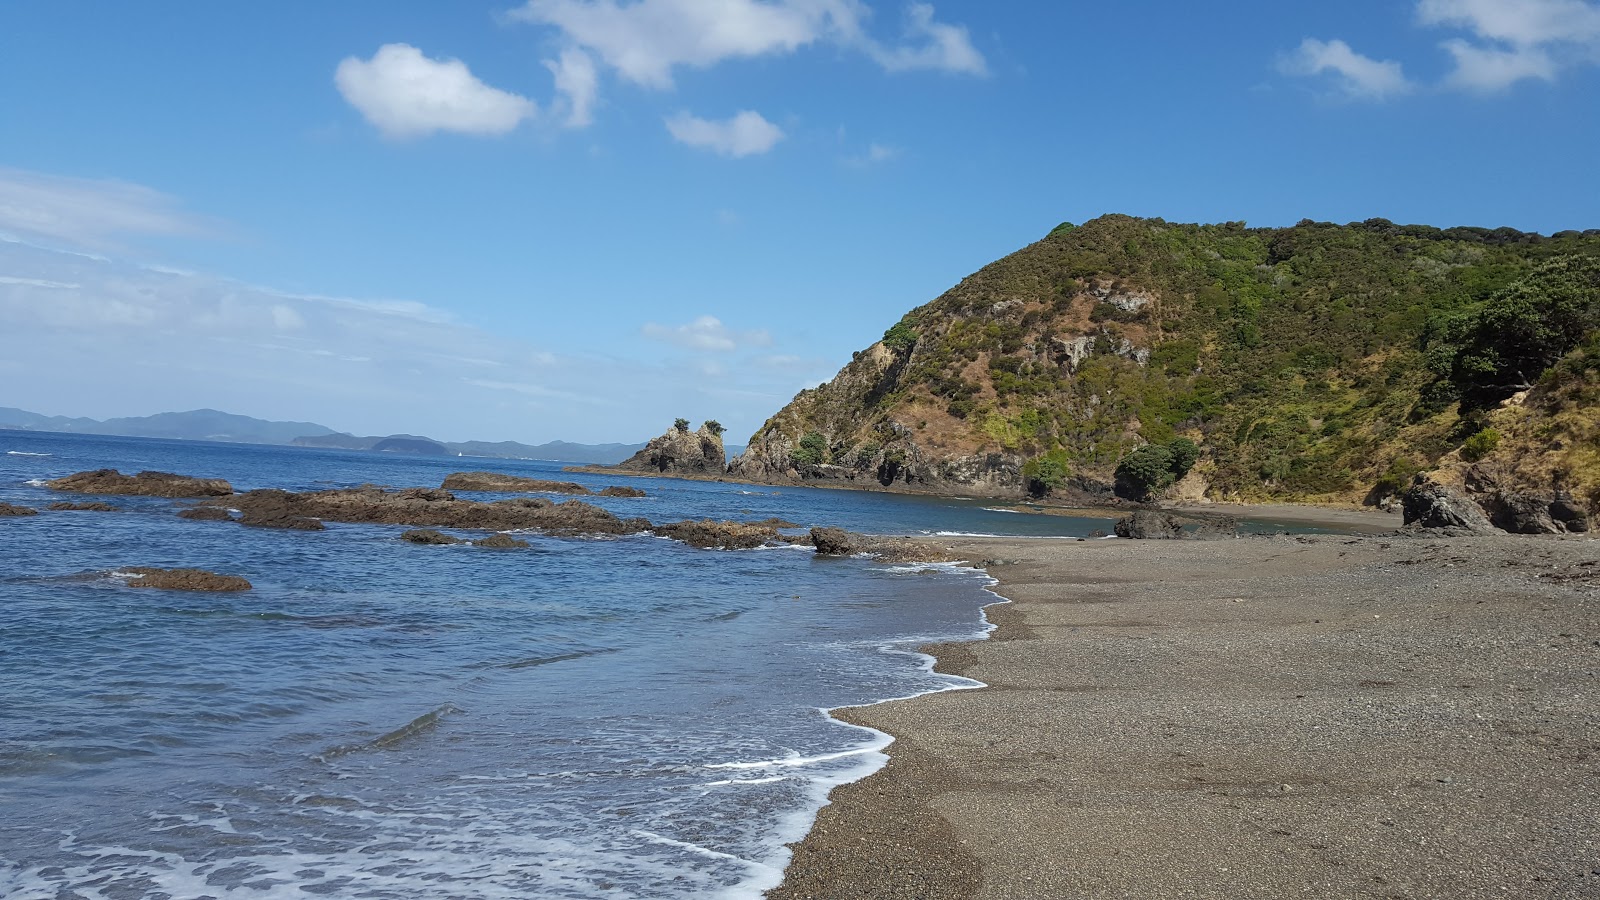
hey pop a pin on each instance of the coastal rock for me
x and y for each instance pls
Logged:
(206, 514)
(1147, 524)
(429, 536)
(1427, 504)
(91, 506)
(838, 542)
(1212, 528)
(493, 481)
(144, 484)
(8, 510)
(1521, 513)
(183, 580)
(1570, 514)
(711, 535)
(430, 508)
(832, 542)
(618, 490)
(682, 452)
(502, 542)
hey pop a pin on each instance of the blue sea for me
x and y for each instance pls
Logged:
(622, 717)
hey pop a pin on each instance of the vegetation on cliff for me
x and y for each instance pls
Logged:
(1319, 362)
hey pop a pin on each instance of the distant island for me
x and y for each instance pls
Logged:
(213, 425)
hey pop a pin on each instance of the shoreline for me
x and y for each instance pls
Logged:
(1272, 716)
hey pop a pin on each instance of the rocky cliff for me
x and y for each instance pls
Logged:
(1319, 363)
(682, 452)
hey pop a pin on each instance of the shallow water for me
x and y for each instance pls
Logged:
(588, 718)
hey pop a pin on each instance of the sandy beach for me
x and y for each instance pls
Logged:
(1319, 716)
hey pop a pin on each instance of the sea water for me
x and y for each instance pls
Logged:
(619, 717)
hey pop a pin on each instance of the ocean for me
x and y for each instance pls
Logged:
(588, 718)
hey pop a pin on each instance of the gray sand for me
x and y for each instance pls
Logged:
(1266, 717)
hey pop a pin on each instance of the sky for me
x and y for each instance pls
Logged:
(581, 219)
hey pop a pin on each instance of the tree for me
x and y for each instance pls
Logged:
(900, 336)
(811, 451)
(1047, 473)
(680, 424)
(713, 426)
(1152, 467)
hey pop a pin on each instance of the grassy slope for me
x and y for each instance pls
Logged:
(1296, 357)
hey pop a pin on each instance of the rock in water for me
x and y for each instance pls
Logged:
(682, 452)
(494, 481)
(144, 484)
(7, 510)
(502, 542)
(1428, 504)
(429, 536)
(206, 514)
(832, 542)
(1146, 524)
(183, 580)
(91, 506)
(620, 491)
(711, 535)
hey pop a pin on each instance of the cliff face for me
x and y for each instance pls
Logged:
(1319, 363)
(682, 452)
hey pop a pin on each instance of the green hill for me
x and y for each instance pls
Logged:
(1319, 363)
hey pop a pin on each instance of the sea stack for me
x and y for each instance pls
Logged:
(682, 452)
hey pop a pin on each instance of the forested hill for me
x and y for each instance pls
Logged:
(1319, 362)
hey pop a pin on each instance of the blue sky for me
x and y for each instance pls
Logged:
(579, 219)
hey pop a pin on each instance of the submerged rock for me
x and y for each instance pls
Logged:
(429, 536)
(183, 580)
(428, 508)
(8, 510)
(494, 481)
(206, 514)
(502, 542)
(91, 506)
(144, 484)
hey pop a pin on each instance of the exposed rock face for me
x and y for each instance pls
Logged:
(144, 484)
(8, 510)
(1145, 525)
(682, 452)
(91, 506)
(429, 536)
(710, 535)
(502, 542)
(618, 490)
(206, 514)
(1570, 514)
(832, 542)
(425, 507)
(493, 481)
(1521, 513)
(184, 580)
(1430, 505)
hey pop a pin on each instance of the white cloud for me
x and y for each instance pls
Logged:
(405, 94)
(875, 154)
(286, 319)
(88, 212)
(1357, 76)
(706, 333)
(746, 134)
(578, 84)
(931, 45)
(1514, 40)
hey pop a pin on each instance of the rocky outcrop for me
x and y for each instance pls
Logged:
(1147, 525)
(182, 580)
(429, 508)
(91, 506)
(429, 536)
(1427, 504)
(711, 535)
(8, 510)
(206, 514)
(509, 484)
(617, 490)
(1520, 513)
(501, 542)
(838, 542)
(1571, 514)
(682, 452)
(144, 484)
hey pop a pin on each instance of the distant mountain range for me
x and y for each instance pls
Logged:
(212, 425)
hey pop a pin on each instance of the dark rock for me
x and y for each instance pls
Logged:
(1147, 524)
(91, 506)
(183, 580)
(832, 542)
(618, 490)
(681, 452)
(1427, 504)
(1520, 513)
(493, 481)
(429, 536)
(144, 484)
(435, 508)
(1212, 528)
(7, 510)
(501, 542)
(206, 514)
(710, 535)
(1570, 514)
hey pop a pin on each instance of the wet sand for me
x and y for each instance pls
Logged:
(1265, 717)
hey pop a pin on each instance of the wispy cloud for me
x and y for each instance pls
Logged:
(876, 154)
(746, 134)
(92, 213)
(706, 333)
(404, 94)
(1353, 75)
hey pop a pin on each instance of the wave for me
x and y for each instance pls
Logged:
(417, 727)
(25, 453)
(998, 509)
(36, 482)
(549, 660)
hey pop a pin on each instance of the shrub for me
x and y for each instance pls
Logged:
(1480, 445)
(811, 451)
(1154, 466)
(680, 424)
(1047, 473)
(900, 337)
(715, 427)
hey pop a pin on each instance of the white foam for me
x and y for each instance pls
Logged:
(36, 482)
(1014, 512)
(25, 453)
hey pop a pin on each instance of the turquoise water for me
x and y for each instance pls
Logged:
(623, 717)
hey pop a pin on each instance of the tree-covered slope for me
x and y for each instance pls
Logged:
(1319, 362)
